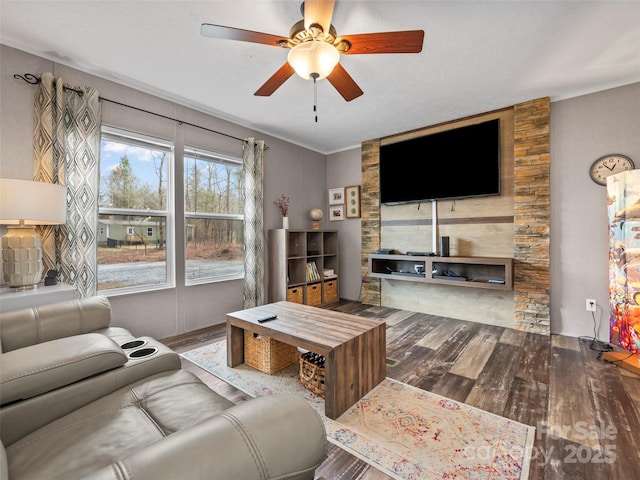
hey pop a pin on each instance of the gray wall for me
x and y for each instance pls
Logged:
(343, 170)
(289, 169)
(582, 130)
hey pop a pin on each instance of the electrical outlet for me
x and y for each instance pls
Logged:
(591, 304)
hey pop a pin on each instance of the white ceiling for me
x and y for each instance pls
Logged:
(477, 56)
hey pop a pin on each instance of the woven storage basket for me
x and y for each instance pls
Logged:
(314, 294)
(312, 372)
(294, 294)
(330, 291)
(267, 355)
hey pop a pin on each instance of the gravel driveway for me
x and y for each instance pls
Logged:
(153, 273)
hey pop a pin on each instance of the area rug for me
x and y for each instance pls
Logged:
(405, 432)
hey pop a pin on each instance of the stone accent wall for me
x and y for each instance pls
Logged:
(532, 209)
(532, 216)
(370, 208)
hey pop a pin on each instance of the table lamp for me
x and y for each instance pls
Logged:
(23, 205)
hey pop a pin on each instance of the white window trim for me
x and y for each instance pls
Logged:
(148, 141)
(209, 155)
(198, 153)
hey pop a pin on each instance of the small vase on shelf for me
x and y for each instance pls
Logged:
(283, 205)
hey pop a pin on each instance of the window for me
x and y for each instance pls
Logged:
(214, 216)
(135, 247)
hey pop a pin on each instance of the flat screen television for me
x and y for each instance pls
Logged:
(459, 163)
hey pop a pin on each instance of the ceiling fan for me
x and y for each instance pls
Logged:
(316, 48)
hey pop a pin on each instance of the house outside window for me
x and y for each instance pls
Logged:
(135, 244)
(214, 216)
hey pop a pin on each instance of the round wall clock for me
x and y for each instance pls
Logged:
(609, 165)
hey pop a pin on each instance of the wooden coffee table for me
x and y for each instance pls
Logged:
(354, 347)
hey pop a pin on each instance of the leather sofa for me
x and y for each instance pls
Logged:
(59, 357)
(76, 404)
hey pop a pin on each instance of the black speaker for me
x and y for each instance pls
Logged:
(444, 246)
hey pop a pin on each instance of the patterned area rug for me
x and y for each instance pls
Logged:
(405, 432)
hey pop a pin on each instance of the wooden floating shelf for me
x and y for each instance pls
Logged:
(495, 273)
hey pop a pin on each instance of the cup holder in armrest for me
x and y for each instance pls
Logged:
(133, 344)
(143, 352)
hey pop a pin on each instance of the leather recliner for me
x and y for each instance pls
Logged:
(56, 358)
(165, 425)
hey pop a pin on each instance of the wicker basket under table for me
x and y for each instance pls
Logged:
(312, 372)
(266, 354)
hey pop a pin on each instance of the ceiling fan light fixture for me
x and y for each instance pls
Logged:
(313, 57)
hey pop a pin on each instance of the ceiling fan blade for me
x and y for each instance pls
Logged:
(318, 12)
(275, 81)
(344, 84)
(408, 41)
(230, 33)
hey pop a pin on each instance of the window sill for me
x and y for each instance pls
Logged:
(204, 281)
(117, 292)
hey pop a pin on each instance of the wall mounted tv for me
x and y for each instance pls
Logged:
(459, 163)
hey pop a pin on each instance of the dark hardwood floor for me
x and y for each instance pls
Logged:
(586, 411)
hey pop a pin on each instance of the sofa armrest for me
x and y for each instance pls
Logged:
(34, 325)
(21, 418)
(37, 369)
(275, 436)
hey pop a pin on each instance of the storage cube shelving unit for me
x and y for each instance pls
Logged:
(297, 261)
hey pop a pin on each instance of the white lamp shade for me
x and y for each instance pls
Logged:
(313, 57)
(32, 203)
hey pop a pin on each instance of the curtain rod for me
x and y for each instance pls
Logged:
(34, 80)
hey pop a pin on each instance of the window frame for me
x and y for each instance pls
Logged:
(198, 153)
(128, 137)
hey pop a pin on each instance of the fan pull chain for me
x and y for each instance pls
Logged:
(315, 94)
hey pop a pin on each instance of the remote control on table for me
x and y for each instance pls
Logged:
(267, 318)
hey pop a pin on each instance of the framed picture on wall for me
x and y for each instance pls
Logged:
(352, 201)
(336, 196)
(336, 213)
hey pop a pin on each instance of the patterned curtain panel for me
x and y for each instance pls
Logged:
(66, 150)
(623, 200)
(253, 154)
(48, 145)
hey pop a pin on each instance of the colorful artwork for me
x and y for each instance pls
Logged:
(623, 206)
